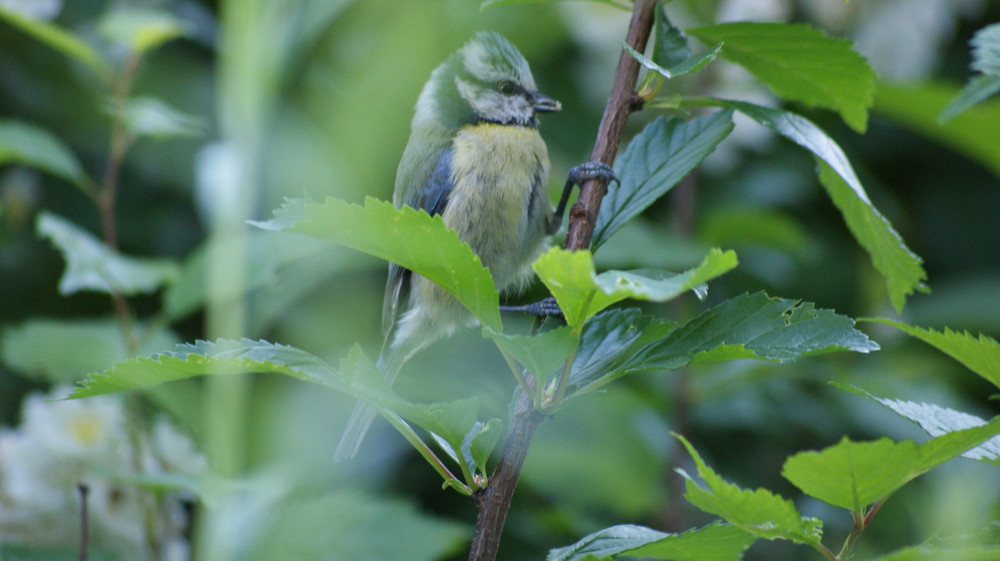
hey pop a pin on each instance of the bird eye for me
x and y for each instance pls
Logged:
(506, 87)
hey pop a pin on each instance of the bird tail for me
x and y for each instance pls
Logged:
(389, 364)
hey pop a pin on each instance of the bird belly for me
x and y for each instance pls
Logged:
(499, 202)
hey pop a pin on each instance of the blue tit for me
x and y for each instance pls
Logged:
(475, 157)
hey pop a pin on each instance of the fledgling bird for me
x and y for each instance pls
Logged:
(475, 157)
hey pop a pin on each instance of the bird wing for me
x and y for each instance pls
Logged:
(422, 183)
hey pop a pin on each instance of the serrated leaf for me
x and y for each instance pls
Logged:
(799, 63)
(759, 512)
(141, 29)
(655, 160)
(59, 39)
(28, 145)
(539, 354)
(687, 66)
(670, 46)
(151, 117)
(754, 326)
(715, 542)
(581, 292)
(972, 133)
(610, 339)
(405, 236)
(986, 50)
(937, 420)
(979, 88)
(981, 355)
(64, 350)
(91, 265)
(901, 268)
(209, 358)
(853, 475)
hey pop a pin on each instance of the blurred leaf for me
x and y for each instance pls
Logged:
(754, 326)
(213, 358)
(853, 475)
(901, 268)
(59, 39)
(28, 145)
(760, 512)
(141, 29)
(981, 355)
(973, 133)
(64, 351)
(655, 160)
(91, 265)
(985, 59)
(984, 552)
(539, 354)
(609, 339)
(497, 3)
(937, 420)
(348, 524)
(581, 292)
(800, 64)
(715, 542)
(149, 116)
(682, 68)
(410, 238)
(745, 226)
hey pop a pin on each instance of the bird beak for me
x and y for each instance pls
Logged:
(544, 104)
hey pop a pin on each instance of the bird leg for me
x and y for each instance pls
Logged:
(543, 308)
(577, 176)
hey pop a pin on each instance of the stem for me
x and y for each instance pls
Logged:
(82, 489)
(494, 501)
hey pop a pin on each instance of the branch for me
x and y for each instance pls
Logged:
(493, 502)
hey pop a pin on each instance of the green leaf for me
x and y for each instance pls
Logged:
(937, 420)
(747, 226)
(670, 46)
(346, 524)
(408, 237)
(687, 66)
(971, 133)
(715, 542)
(581, 292)
(760, 512)
(539, 354)
(59, 39)
(151, 117)
(141, 29)
(900, 267)
(754, 326)
(979, 88)
(610, 339)
(986, 50)
(486, 4)
(91, 265)
(479, 443)
(28, 145)
(985, 552)
(799, 63)
(64, 351)
(854, 475)
(223, 357)
(657, 159)
(981, 355)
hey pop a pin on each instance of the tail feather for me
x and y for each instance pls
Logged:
(363, 415)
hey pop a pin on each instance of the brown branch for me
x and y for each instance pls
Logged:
(493, 502)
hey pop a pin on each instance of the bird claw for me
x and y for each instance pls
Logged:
(545, 307)
(592, 170)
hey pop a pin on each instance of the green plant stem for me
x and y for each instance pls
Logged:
(493, 502)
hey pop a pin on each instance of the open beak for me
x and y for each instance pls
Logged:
(544, 104)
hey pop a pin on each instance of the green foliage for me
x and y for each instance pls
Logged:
(581, 292)
(715, 542)
(684, 67)
(760, 513)
(28, 145)
(59, 39)
(800, 64)
(986, 60)
(853, 475)
(981, 355)
(151, 117)
(92, 265)
(141, 30)
(498, 3)
(410, 238)
(654, 161)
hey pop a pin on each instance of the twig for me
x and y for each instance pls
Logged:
(493, 502)
(82, 489)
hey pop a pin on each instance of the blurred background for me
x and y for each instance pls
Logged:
(301, 98)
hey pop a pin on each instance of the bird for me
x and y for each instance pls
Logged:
(474, 157)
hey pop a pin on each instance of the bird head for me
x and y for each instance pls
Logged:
(487, 80)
